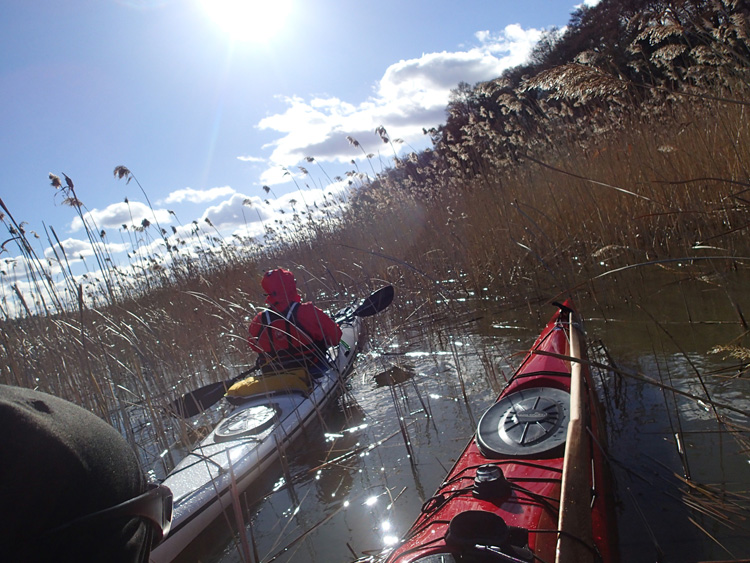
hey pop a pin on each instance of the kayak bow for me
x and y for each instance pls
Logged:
(532, 485)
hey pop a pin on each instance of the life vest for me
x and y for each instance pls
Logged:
(284, 340)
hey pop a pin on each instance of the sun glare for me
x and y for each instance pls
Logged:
(248, 20)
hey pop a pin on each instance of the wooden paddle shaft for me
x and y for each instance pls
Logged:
(574, 545)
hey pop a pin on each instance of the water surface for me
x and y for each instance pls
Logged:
(681, 477)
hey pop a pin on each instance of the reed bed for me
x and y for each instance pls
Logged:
(537, 184)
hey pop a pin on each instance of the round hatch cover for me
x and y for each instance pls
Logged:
(247, 422)
(525, 423)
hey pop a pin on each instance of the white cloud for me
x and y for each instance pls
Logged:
(13, 269)
(118, 214)
(513, 45)
(586, 4)
(234, 212)
(73, 249)
(197, 196)
(411, 95)
(274, 176)
(250, 215)
(251, 159)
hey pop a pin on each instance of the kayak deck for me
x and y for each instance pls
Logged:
(533, 451)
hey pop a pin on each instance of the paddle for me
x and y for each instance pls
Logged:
(372, 304)
(204, 397)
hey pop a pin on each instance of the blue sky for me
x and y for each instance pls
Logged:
(205, 111)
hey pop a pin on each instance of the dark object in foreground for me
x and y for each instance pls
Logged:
(70, 486)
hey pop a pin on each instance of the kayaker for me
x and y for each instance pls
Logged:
(290, 333)
(71, 488)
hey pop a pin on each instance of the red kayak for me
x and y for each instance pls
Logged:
(532, 485)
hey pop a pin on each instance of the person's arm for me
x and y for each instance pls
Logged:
(253, 331)
(331, 331)
(318, 325)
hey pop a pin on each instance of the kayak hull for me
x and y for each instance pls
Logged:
(247, 442)
(513, 488)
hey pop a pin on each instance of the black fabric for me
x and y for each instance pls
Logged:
(59, 462)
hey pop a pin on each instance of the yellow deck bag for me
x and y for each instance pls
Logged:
(285, 381)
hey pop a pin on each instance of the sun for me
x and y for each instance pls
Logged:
(248, 20)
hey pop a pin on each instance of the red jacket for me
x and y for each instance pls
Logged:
(290, 328)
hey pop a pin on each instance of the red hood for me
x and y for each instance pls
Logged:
(280, 288)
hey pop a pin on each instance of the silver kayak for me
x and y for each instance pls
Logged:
(246, 442)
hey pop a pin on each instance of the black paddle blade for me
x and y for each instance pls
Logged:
(199, 400)
(207, 396)
(376, 302)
